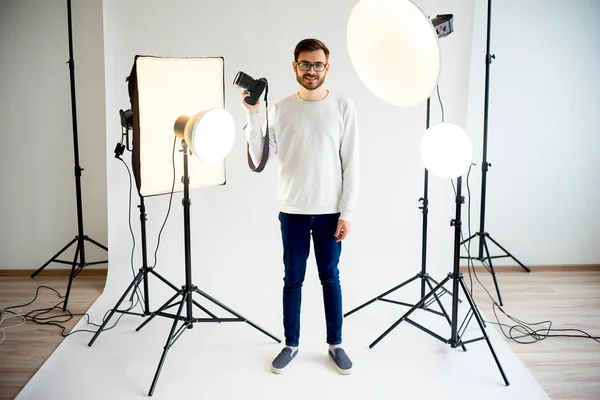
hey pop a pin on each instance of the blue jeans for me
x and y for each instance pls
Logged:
(296, 231)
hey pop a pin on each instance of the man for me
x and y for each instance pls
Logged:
(315, 136)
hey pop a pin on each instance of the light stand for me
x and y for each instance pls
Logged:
(424, 277)
(81, 237)
(458, 282)
(186, 292)
(443, 26)
(142, 276)
(482, 234)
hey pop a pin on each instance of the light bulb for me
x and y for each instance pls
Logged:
(446, 150)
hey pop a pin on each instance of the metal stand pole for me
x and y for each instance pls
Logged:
(79, 258)
(482, 234)
(142, 276)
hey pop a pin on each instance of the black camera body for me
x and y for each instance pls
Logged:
(253, 86)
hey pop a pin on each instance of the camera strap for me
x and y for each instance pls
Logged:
(265, 144)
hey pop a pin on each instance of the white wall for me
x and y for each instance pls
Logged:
(38, 209)
(543, 193)
(236, 252)
(543, 200)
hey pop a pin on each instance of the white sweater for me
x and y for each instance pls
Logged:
(317, 154)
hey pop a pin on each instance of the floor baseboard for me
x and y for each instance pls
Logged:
(53, 272)
(463, 268)
(537, 268)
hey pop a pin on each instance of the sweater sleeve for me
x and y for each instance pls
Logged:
(255, 133)
(349, 155)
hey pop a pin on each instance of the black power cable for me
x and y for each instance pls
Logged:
(40, 316)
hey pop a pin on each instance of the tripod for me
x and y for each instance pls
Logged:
(81, 237)
(422, 275)
(189, 289)
(482, 234)
(142, 276)
(458, 282)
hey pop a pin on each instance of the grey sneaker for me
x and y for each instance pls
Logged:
(341, 360)
(283, 359)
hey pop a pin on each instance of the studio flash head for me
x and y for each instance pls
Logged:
(253, 86)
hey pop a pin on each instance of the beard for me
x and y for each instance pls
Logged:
(312, 84)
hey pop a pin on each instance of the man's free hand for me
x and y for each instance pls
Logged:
(343, 230)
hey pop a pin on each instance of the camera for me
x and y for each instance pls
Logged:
(253, 86)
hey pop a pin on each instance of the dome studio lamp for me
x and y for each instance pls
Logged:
(184, 97)
(447, 152)
(394, 48)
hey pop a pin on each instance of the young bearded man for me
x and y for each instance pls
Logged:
(314, 134)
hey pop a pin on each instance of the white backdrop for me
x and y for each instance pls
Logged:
(234, 228)
(236, 252)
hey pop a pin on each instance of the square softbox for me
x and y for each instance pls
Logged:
(161, 90)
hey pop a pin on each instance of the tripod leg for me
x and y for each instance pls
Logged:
(156, 274)
(381, 295)
(443, 309)
(510, 255)
(161, 309)
(444, 290)
(480, 323)
(405, 316)
(210, 314)
(223, 306)
(168, 344)
(477, 311)
(71, 276)
(487, 252)
(133, 285)
(469, 238)
(53, 258)
(437, 299)
(89, 239)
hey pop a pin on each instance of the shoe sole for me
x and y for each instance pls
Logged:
(280, 371)
(277, 370)
(342, 371)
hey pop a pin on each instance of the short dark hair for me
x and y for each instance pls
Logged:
(310, 45)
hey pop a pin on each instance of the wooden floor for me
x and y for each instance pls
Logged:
(567, 368)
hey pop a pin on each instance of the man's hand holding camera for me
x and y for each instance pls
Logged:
(251, 109)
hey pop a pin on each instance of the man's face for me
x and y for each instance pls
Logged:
(311, 79)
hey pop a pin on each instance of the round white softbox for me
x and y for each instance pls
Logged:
(446, 150)
(394, 50)
(209, 134)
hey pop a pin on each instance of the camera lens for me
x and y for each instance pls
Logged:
(238, 78)
(244, 81)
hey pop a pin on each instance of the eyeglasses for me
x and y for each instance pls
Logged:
(305, 66)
